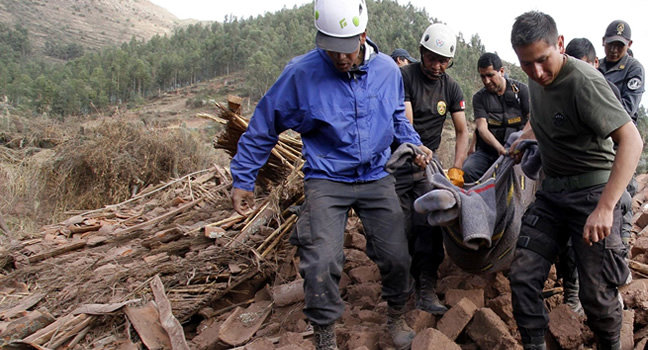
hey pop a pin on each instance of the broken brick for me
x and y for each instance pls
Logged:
(455, 320)
(490, 332)
(453, 296)
(433, 339)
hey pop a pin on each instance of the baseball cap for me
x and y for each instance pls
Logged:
(618, 31)
(403, 53)
(335, 44)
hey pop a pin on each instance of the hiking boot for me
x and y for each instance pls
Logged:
(426, 297)
(324, 337)
(570, 296)
(536, 342)
(608, 344)
(401, 334)
(538, 346)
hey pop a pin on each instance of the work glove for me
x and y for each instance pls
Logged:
(456, 176)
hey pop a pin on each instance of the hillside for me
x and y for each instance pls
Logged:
(90, 23)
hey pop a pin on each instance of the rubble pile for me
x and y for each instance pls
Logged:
(174, 267)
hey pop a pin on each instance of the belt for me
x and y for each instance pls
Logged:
(575, 182)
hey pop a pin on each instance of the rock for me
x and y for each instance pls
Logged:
(627, 330)
(364, 274)
(455, 320)
(355, 240)
(433, 339)
(453, 296)
(490, 332)
(567, 327)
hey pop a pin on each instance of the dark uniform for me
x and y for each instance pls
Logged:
(628, 76)
(505, 115)
(432, 101)
(577, 156)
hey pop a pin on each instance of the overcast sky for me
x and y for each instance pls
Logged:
(492, 20)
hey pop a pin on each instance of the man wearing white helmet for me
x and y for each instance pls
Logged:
(430, 94)
(346, 100)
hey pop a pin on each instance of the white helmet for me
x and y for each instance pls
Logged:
(341, 18)
(440, 39)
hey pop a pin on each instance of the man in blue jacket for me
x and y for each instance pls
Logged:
(346, 100)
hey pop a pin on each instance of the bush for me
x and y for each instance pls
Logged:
(108, 163)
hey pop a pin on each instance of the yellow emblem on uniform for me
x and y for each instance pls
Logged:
(441, 107)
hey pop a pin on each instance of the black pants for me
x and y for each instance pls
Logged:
(425, 241)
(319, 235)
(546, 226)
(476, 165)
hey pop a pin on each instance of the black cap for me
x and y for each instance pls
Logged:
(618, 31)
(403, 53)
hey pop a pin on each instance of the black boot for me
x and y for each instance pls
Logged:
(533, 338)
(540, 346)
(401, 334)
(570, 295)
(426, 297)
(324, 337)
(606, 344)
(535, 343)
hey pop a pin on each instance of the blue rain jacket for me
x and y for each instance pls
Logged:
(347, 121)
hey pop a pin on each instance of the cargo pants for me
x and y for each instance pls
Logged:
(319, 236)
(546, 227)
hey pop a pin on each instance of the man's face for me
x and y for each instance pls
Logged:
(615, 50)
(345, 61)
(541, 61)
(594, 63)
(434, 65)
(493, 80)
(402, 61)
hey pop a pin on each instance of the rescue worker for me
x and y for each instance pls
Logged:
(402, 57)
(430, 94)
(624, 71)
(501, 108)
(345, 98)
(583, 49)
(621, 69)
(575, 117)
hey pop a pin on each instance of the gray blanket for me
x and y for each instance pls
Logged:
(481, 221)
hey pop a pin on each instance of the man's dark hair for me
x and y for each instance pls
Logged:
(489, 59)
(581, 47)
(533, 26)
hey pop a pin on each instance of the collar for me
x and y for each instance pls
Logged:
(620, 64)
(368, 51)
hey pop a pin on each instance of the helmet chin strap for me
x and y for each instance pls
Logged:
(429, 73)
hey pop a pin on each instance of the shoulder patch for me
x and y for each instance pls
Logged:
(634, 83)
